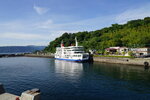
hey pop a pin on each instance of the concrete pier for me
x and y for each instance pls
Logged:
(8, 96)
(33, 94)
(128, 61)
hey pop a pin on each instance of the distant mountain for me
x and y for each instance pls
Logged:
(20, 49)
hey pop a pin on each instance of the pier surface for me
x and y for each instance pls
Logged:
(8, 96)
(33, 94)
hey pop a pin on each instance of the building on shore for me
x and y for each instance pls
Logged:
(145, 51)
(122, 51)
(112, 50)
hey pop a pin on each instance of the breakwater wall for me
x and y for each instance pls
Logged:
(11, 55)
(39, 55)
(129, 61)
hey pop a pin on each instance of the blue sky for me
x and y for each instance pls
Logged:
(37, 22)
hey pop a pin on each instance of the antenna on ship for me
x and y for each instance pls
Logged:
(62, 43)
(76, 41)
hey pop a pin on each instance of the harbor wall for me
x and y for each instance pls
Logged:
(11, 55)
(129, 61)
(39, 55)
(115, 60)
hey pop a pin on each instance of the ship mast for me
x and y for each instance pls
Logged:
(62, 44)
(76, 41)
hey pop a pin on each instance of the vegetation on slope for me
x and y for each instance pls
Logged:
(135, 33)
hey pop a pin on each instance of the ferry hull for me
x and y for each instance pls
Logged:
(76, 60)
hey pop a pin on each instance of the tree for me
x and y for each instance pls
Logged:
(135, 33)
(123, 53)
(130, 53)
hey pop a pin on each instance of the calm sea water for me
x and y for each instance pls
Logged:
(61, 80)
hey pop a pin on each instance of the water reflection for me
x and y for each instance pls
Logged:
(125, 72)
(134, 78)
(146, 68)
(72, 70)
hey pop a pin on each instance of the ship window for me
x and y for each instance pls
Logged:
(75, 55)
(85, 56)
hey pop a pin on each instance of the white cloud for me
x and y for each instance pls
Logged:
(44, 25)
(40, 10)
(131, 14)
(11, 25)
(23, 36)
(48, 30)
(81, 25)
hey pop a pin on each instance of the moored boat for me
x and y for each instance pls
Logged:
(71, 53)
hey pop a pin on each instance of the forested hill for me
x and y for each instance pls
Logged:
(135, 33)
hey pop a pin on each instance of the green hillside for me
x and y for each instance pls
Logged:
(135, 33)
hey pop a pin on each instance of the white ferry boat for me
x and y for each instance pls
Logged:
(71, 53)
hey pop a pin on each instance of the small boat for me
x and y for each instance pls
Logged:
(71, 53)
